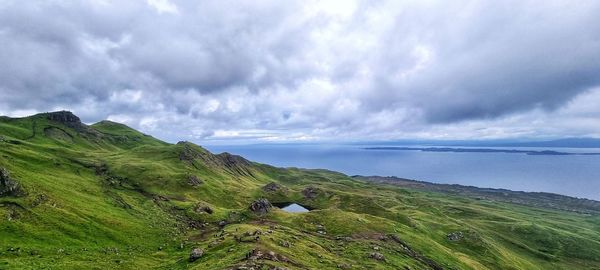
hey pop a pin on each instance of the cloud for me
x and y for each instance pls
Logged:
(308, 70)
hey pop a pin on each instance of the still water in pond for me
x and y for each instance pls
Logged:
(295, 208)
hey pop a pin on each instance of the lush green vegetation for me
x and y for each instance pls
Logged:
(106, 196)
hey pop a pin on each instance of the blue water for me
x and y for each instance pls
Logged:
(295, 208)
(573, 175)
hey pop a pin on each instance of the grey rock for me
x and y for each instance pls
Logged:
(274, 187)
(455, 236)
(196, 254)
(261, 206)
(8, 186)
(194, 181)
(377, 256)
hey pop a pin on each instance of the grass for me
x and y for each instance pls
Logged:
(109, 197)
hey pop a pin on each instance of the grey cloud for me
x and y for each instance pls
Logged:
(388, 68)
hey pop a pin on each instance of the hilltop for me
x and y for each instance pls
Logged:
(105, 196)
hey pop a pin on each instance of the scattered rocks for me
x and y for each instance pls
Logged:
(222, 223)
(257, 254)
(274, 187)
(261, 206)
(196, 254)
(39, 199)
(455, 236)
(194, 181)
(284, 243)
(8, 186)
(377, 256)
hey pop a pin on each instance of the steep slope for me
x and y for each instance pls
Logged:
(106, 196)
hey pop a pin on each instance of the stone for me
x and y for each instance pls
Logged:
(201, 208)
(377, 256)
(194, 181)
(455, 236)
(274, 187)
(261, 206)
(8, 186)
(196, 254)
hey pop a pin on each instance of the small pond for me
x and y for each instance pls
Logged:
(292, 207)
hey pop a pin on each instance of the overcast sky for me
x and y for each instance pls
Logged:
(261, 71)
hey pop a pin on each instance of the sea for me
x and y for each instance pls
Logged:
(571, 175)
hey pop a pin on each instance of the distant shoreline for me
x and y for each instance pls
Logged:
(479, 150)
(536, 199)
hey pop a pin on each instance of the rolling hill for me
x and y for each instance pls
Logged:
(105, 196)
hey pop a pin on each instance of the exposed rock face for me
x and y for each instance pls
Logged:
(274, 187)
(260, 206)
(194, 181)
(234, 163)
(65, 117)
(196, 254)
(70, 120)
(188, 153)
(8, 186)
(311, 192)
(455, 236)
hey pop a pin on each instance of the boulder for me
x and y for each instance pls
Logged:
(196, 254)
(8, 186)
(455, 236)
(377, 256)
(274, 187)
(202, 208)
(260, 206)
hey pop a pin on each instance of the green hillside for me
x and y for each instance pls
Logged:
(105, 196)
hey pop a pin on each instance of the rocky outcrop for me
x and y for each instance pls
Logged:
(194, 181)
(203, 208)
(311, 192)
(8, 186)
(70, 120)
(196, 254)
(260, 206)
(258, 254)
(234, 164)
(274, 187)
(65, 117)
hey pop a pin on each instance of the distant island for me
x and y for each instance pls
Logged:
(478, 150)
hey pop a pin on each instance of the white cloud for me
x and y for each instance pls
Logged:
(163, 6)
(308, 70)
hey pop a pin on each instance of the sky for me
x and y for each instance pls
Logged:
(304, 71)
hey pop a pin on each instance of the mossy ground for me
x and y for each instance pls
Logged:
(118, 199)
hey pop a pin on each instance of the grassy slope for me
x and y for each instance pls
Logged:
(111, 197)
